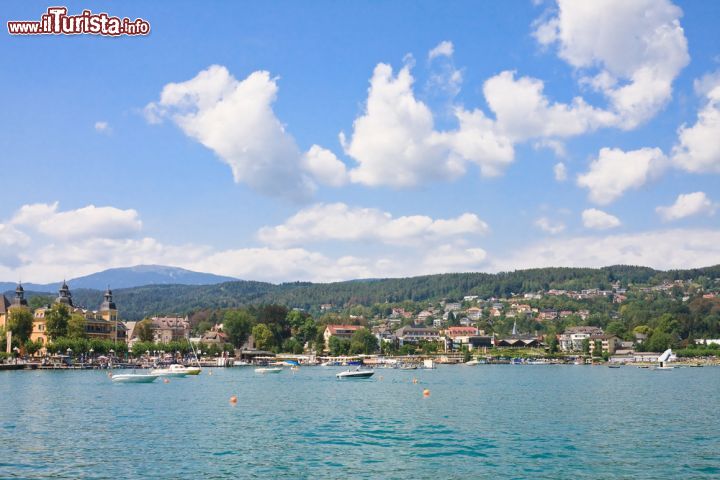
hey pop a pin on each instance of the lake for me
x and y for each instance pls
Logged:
(499, 421)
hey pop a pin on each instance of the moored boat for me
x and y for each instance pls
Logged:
(172, 371)
(357, 373)
(133, 378)
(268, 370)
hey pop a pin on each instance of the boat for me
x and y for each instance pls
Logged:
(357, 373)
(613, 366)
(133, 378)
(268, 370)
(472, 363)
(172, 371)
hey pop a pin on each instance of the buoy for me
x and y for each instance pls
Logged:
(165, 380)
(210, 372)
(233, 400)
(109, 374)
(414, 380)
(426, 393)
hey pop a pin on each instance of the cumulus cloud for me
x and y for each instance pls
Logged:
(338, 221)
(549, 226)
(89, 221)
(102, 127)
(615, 171)
(669, 249)
(394, 141)
(236, 121)
(687, 205)
(40, 243)
(630, 51)
(324, 166)
(698, 147)
(599, 220)
(523, 111)
(560, 172)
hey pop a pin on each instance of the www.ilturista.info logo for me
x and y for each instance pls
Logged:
(57, 22)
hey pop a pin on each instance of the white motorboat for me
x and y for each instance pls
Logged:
(133, 378)
(472, 363)
(268, 370)
(357, 373)
(172, 371)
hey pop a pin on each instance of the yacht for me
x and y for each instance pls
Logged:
(133, 378)
(357, 373)
(172, 371)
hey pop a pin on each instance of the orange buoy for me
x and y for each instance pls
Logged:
(426, 393)
(233, 400)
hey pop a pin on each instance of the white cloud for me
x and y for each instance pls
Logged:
(599, 220)
(338, 221)
(102, 127)
(89, 221)
(324, 166)
(395, 143)
(560, 172)
(698, 149)
(615, 171)
(444, 48)
(523, 111)
(556, 146)
(415, 247)
(235, 120)
(686, 205)
(632, 51)
(670, 249)
(549, 226)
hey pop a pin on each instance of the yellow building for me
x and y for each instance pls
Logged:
(102, 324)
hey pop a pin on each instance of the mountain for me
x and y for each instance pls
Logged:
(139, 302)
(128, 277)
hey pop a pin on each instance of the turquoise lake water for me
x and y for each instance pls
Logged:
(478, 422)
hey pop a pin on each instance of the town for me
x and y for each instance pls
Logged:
(553, 326)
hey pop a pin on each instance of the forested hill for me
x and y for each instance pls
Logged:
(136, 303)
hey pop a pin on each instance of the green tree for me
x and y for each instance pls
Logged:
(77, 326)
(308, 331)
(586, 346)
(20, 322)
(203, 327)
(263, 336)
(553, 344)
(144, 331)
(363, 341)
(37, 301)
(32, 347)
(292, 345)
(339, 346)
(56, 321)
(237, 324)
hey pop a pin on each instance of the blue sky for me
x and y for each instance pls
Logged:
(478, 137)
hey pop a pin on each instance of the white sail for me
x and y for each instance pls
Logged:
(665, 356)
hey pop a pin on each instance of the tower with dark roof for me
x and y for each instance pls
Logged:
(64, 295)
(108, 310)
(19, 300)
